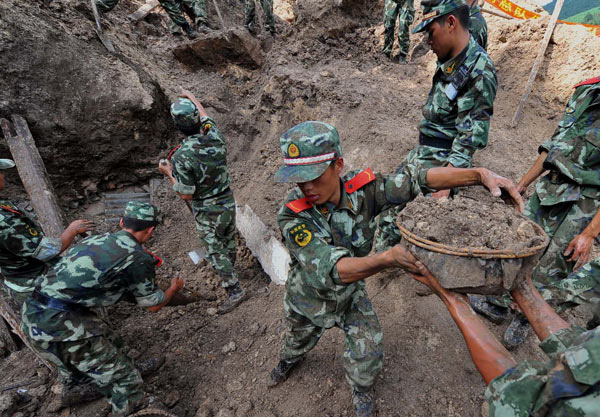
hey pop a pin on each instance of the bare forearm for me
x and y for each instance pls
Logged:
(67, 238)
(354, 269)
(201, 110)
(544, 320)
(489, 356)
(447, 177)
(535, 171)
(593, 227)
(169, 293)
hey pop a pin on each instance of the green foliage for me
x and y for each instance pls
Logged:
(591, 16)
(573, 7)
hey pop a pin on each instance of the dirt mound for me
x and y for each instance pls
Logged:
(472, 219)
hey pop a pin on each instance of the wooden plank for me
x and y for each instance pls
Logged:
(143, 11)
(538, 61)
(34, 175)
(505, 16)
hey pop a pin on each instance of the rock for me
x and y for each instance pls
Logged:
(211, 311)
(225, 412)
(205, 409)
(8, 404)
(172, 398)
(220, 48)
(228, 348)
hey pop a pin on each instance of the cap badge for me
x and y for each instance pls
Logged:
(293, 151)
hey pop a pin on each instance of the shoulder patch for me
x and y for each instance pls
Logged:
(10, 208)
(173, 151)
(301, 235)
(298, 206)
(588, 82)
(359, 181)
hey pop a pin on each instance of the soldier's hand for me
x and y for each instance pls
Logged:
(81, 226)
(404, 259)
(424, 276)
(581, 249)
(186, 94)
(165, 167)
(521, 189)
(501, 187)
(176, 284)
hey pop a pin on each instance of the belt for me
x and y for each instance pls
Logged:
(434, 142)
(60, 305)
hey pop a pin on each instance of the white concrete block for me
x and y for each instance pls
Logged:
(264, 244)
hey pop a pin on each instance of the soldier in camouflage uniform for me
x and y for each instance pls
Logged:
(404, 11)
(25, 252)
(199, 175)
(566, 202)
(250, 16)
(195, 9)
(328, 225)
(568, 384)
(456, 117)
(97, 272)
(477, 24)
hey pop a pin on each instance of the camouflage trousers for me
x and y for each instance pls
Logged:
(215, 223)
(100, 361)
(106, 6)
(195, 9)
(250, 15)
(15, 299)
(388, 234)
(363, 357)
(405, 12)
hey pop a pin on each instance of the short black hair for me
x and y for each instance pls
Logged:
(188, 131)
(462, 14)
(137, 225)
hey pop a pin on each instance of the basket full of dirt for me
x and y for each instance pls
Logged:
(474, 242)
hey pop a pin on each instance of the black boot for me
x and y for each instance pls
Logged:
(79, 394)
(516, 332)
(281, 372)
(189, 31)
(235, 296)
(150, 366)
(492, 312)
(363, 403)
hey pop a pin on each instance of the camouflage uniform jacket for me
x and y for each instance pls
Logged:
(200, 163)
(478, 26)
(460, 104)
(24, 250)
(97, 272)
(567, 385)
(574, 151)
(318, 237)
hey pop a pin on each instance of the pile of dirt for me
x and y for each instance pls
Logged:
(473, 218)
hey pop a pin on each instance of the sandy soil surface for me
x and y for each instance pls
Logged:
(326, 66)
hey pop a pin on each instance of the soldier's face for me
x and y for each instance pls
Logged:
(439, 40)
(326, 188)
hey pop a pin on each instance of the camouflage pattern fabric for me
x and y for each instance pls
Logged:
(478, 26)
(96, 272)
(99, 361)
(141, 211)
(200, 167)
(106, 6)
(24, 250)
(185, 114)
(363, 357)
(405, 12)
(457, 115)
(317, 239)
(433, 9)
(580, 287)
(195, 9)
(250, 15)
(567, 385)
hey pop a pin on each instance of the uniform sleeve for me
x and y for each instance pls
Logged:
(560, 341)
(400, 188)
(316, 257)
(183, 171)
(475, 109)
(27, 240)
(141, 283)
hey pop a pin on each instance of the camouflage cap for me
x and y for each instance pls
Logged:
(185, 114)
(308, 149)
(6, 163)
(432, 9)
(142, 211)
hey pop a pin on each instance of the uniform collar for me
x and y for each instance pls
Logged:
(345, 203)
(449, 67)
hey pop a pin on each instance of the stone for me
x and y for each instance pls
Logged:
(8, 404)
(211, 311)
(225, 412)
(172, 398)
(228, 348)
(219, 48)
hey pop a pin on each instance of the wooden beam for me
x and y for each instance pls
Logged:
(538, 61)
(143, 11)
(505, 16)
(34, 175)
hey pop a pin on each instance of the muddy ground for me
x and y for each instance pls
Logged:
(326, 65)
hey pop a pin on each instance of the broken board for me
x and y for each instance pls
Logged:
(143, 11)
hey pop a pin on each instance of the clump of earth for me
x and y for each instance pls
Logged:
(473, 218)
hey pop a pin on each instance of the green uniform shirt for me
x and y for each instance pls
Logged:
(478, 26)
(24, 250)
(97, 272)
(200, 164)
(318, 237)
(461, 103)
(574, 151)
(567, 385)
